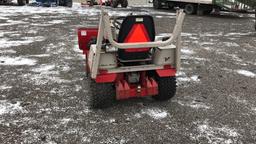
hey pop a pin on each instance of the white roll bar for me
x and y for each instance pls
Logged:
(105, 31)
(175, 34)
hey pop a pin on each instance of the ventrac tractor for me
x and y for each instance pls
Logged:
(125, 58)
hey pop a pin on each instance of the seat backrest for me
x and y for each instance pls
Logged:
(139, 28)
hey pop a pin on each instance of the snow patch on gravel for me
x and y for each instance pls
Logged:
(186, 34)
(2, 33)
(246, 104)
(239, 100)
(45, 78)
(45, 74)
(187, 51)
(194, 104)
(246, 73)
(57, 21)
(231, 44)
(12, 22)
(64, 121)
(6, 43)
(44, 68)
(155, 113)
(113, 140)
(182, 77)
(208, 34)
(231, 56)
(4, 87)
(238, 34)
(7, 51)
(40, 55)
(159, 16)
(191, 102)
(215, 135)
(78, 88)
(4, 60)
(253, 109)
(195, 78)
(3, 18)
(206, 43)
(7, 107)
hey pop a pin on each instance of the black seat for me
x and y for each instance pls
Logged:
(136, 29)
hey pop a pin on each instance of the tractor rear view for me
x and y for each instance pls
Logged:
(126, 59)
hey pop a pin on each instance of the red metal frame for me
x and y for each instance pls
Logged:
(104, 77)
(125, 90)
(168, 71)
(84, 37)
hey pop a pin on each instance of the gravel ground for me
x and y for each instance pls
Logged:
(44, 90)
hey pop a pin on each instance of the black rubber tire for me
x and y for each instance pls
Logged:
(170, 5)
(69, 3)
(91, 2)
(157, 4)
(61, 2)
(107, 3)
(190, 9)
(66, 3)
(21, 2)
(166, 88)
(124, 3)
(208, 11)
(114, 4)
(102, 95)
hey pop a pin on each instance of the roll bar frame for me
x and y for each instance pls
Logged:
(105, 32)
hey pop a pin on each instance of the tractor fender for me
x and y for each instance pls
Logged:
(169, 72)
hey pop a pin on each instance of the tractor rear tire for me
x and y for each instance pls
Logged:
(114, 3)
(124, 3)
(102, 95)
(66, 3)
(190, 9)
(69, 3)
(107, 3)
(157, 4)
(61, 3)
(170, 5)
(166, 88)
(208, 11)
(21, 2)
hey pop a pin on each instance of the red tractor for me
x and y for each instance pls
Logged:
(125, 59)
